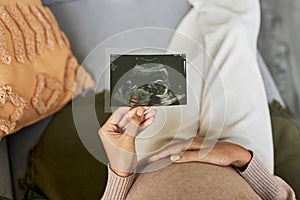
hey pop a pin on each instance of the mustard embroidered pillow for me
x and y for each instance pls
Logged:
(38, 73)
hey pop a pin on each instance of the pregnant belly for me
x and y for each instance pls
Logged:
(191, 181)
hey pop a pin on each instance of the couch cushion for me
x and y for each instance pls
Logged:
(5, 173)
(20, 145)
(49, 2)
(270, 86)
(286, 137)
(60, 166)
(37, 66)
(279, 43)
(108, 17)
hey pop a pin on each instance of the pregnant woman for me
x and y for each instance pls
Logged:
(223, 135)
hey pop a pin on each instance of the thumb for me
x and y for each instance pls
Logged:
(136, 119)
(138, 116)
(139, 112)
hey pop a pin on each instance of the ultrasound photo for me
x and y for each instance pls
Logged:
(148, 80)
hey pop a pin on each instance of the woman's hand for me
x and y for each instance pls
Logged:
(118, 137)
(222, 154)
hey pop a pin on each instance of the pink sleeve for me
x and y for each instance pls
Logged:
(267, 186)
(117, 187)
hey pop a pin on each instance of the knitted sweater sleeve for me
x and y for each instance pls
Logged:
(117, 187)
(262, 182)
(267, 186)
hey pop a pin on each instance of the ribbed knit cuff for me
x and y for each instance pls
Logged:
(117, 187)
(261, 181)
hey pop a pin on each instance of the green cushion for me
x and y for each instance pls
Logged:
(61, 168)
(33, 195)
(4, 198)
(286, 138)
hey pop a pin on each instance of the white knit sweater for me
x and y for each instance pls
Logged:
(226, 96)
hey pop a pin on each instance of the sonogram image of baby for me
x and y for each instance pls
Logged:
(154, 80)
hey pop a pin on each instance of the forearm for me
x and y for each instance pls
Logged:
(264, 184)
(117, 187)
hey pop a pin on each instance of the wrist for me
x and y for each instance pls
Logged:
(123, 168)
(243, 158)
(121, 173)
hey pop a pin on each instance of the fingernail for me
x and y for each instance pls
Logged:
(140, 112)
(174, 157)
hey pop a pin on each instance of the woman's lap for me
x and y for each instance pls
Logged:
(191, 181)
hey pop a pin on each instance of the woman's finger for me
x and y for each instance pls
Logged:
(136, 119)
(150, 114)
(194, 143)
(111, 126)
(147, 123)
(148, 119)
(194, 156)
(188, 156)
(178, 148)
(123, 122)
(118, 115)
(125, 119)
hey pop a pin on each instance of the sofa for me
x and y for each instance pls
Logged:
(87, 23)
